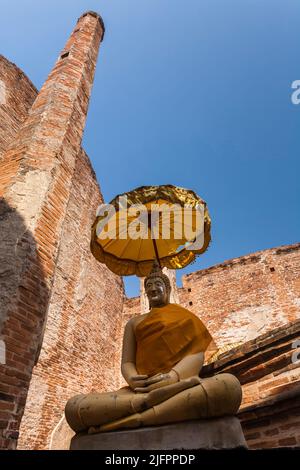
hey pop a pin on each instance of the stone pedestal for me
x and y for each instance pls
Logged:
(220, 433)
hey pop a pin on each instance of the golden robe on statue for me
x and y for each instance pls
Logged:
(167, 335)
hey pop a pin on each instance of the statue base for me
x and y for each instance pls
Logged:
(217, 433)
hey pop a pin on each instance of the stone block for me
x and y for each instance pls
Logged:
(220, 433)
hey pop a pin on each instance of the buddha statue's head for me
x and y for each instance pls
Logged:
(157, 287)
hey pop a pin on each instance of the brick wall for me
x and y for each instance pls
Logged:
(17, 243)
(36, 181)
(81, 346)
(17, 94)
(132, 307)
(269, 371)
(245, 297)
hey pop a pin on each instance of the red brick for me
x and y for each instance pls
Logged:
(289, 441)
(6, 406)
(271, 432)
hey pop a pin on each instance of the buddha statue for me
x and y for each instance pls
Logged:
(163, 353)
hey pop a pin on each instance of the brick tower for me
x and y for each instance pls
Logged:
(35, 181)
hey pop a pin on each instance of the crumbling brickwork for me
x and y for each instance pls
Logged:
(40, 190)
(80, 351)
(17, 94)
(269, 371)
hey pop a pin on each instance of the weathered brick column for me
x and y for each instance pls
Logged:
(35, 181)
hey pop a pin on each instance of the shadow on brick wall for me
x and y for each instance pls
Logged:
(24, 297)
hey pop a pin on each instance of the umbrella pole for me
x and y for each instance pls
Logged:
(153, 239)
(156, 251)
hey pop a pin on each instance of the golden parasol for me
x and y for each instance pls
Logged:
(169, 223)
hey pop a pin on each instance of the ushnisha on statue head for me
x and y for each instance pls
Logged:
(157, 287)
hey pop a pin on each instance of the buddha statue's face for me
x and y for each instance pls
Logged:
(157, 292)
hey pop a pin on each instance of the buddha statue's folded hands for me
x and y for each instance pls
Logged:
(157, 381)
(136, 381)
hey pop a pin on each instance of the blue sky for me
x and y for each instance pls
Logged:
(195, 93)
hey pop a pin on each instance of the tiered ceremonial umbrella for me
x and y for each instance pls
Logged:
(151, 222)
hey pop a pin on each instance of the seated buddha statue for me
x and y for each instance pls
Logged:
(163, 353)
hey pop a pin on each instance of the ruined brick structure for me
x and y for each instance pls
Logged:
(62, 313)
(52, 290)
(268, 368)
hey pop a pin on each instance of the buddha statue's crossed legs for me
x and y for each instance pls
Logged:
(188, 399)
(96, 409)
